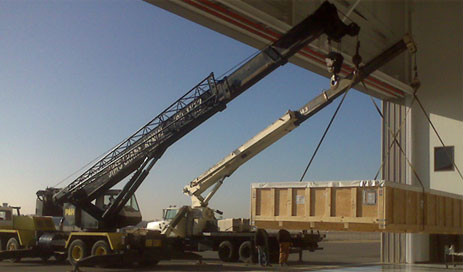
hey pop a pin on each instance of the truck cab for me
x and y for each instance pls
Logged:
(6, 216)
(21, 231)
(167, 215)
(185, 221)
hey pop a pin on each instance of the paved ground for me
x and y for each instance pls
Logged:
(337, 256)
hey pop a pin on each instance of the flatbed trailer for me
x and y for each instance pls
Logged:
(233, 246)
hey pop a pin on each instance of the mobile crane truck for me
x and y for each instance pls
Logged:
(86, 202)
(198, 223)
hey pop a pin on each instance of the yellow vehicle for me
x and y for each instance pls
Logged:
(81, 234)
(22, 231)
(56, 232)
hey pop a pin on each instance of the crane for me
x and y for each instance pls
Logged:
(137, 154)
(215, 176)
(96, 212)
(212, 179)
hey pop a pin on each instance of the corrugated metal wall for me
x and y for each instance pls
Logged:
(393, 245)
(396, 248)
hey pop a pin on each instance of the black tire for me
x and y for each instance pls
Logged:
(227, 252)
(77, 251)
(101, 247)
(246, 252)
(13, 244)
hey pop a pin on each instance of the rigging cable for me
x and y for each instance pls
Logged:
(324, 134)
(85, 166)
(356, 60)
(394, 140)
(100, 156)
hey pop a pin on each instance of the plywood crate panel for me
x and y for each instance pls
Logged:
(367, 205)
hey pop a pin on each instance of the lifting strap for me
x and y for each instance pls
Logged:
(356, 59)
(395, 141)
(324, 134)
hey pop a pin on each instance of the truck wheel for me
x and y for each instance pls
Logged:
(101, 247)
(246, 252)
(227, 252)
(13, 244)
(77, 251)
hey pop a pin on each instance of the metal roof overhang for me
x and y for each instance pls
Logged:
(249, 24)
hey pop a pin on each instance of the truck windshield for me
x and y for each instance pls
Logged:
(170, 214)
(5, 215)
(132, 205)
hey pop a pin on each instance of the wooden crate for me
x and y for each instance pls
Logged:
(234, 224)
(355, 206)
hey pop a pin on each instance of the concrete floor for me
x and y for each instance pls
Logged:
(395, 268)
(337, 256)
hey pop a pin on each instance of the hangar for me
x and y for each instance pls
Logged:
(427, 148)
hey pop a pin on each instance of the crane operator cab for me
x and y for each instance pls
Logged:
(129, 215)
(167, 216)
(6, 216)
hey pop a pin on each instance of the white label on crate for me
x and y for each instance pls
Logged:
(300, 199)
(369, 197)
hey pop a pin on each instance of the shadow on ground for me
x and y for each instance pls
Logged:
(173, 266)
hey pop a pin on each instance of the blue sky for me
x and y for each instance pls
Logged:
(78, 77)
